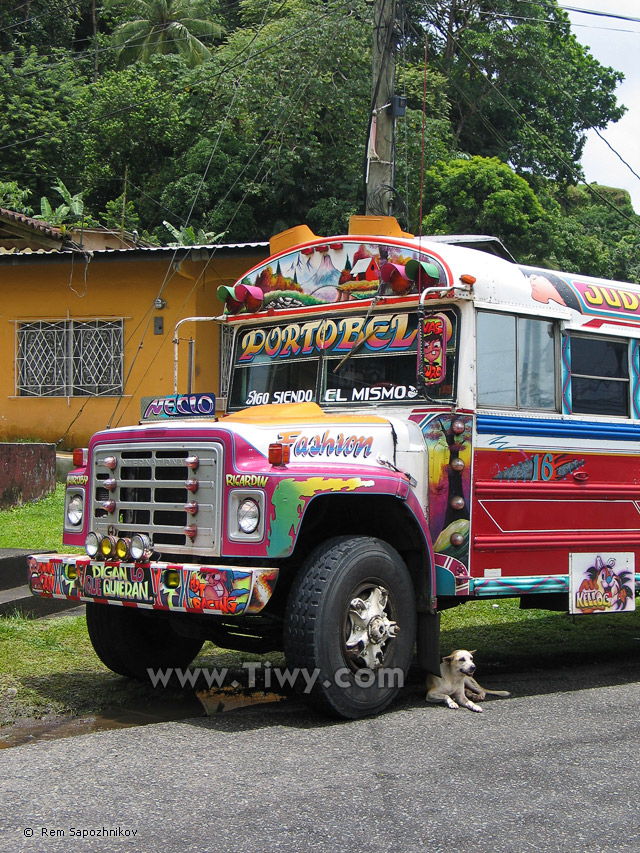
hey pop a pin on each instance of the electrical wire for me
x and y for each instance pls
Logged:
(288, 104)
(542, 138)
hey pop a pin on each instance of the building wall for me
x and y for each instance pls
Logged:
(113, 286)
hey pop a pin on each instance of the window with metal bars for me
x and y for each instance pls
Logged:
(69, 358)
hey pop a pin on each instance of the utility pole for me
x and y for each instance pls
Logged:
(381, 143)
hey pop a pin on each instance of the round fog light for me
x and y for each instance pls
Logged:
(248, 516)
(108, 547)
(140, 547)
(123, 549)
(92, 544)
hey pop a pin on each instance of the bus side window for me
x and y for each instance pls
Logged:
(516, 362)
(599, 376)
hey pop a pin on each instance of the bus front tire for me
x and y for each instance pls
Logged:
(350, 626)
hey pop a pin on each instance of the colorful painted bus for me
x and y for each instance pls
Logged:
(411, 423)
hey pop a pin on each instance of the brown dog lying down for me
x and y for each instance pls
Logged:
(456, 682)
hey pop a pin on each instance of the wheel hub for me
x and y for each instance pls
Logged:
(369, 627)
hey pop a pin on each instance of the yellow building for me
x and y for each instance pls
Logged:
(86, 333)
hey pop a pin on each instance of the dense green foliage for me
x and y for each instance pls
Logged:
(240, 118)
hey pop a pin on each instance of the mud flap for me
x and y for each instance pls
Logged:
(428, 642)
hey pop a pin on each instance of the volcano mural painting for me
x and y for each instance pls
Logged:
(323, 274)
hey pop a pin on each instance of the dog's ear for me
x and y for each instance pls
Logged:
(448, 658)
(473, 651)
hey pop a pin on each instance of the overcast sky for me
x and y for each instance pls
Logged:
(614, 43)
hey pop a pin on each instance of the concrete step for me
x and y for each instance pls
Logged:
(21, 600)
(15, 594)
(13, 566)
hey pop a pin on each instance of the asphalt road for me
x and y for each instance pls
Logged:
(554, 767)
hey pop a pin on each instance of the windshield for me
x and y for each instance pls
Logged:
(341, 361)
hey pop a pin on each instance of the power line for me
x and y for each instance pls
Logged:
(553, 80)
(597, 14)
(543, 139)
(289, 105)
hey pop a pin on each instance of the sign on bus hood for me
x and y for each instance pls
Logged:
(178, 406)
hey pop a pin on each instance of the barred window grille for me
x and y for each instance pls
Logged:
(226, 347)
(69, 358)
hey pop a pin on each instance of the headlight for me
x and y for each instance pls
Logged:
(75, 510)
(248, 515)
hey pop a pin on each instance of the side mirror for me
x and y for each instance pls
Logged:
(432, 348)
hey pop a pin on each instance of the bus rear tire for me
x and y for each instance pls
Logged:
(129, 641)
(350, 625)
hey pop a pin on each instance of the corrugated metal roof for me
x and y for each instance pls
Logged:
(15, 251)
(181, 251)
(199, 247)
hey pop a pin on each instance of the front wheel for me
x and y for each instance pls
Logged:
(130, 641)
(350, 626)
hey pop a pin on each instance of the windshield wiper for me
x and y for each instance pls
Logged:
(361, 340)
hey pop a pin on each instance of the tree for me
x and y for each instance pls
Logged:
(164, 26)
(277, 124)
(13, 197)
(190, 236)
(481, 195)
(129, 130)
(521, 86)
(595, 230)
(70, 212)
(38, 23)
(38, 101)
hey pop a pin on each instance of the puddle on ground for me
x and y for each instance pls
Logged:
(210, 701)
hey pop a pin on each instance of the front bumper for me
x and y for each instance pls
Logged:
(217, 590)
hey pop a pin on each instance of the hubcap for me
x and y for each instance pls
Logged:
(369, 627)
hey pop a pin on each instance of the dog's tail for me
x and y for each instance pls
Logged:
(497, 692)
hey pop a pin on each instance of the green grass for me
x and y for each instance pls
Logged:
(48, 667)
(36, 525)
(507, 637)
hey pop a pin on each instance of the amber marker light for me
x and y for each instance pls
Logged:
(80, 457)
(279, 454)
(468, 279)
